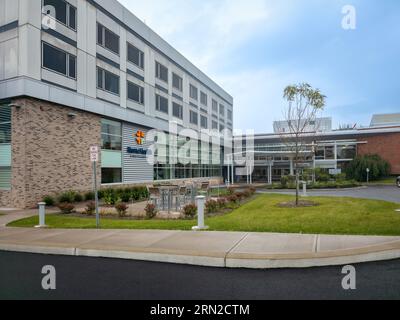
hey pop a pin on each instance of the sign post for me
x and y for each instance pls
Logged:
(94, 158)
(368, 171)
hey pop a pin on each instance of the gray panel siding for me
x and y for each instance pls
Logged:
(134, 169)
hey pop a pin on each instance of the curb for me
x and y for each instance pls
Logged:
(230, 261)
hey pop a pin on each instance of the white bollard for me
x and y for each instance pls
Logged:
(305, 189)
(42, 215)
(200, 201)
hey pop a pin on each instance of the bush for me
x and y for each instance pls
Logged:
(90, 208)
(190, 210)
(67, 197)
(233, 198)
(212, 206)
(230, 190)
(122, 209)
(49, 200)
(89, 196)
(357, 169)
(221, 203)
(151, 211)
(78, 197)
(110, 197)
(66, 208)
(125, 195)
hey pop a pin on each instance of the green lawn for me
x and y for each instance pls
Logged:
(333, 216)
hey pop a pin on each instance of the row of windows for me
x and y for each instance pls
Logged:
(58, 60)
(5, 124)
(65, 13)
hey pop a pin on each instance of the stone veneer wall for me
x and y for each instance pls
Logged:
(386, 145)
(50, 150)
(5, 198)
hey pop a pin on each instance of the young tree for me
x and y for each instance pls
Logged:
(304, 104)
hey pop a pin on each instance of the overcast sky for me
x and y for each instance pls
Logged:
(254, 48)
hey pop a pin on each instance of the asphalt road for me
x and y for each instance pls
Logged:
(95, 278)
(387, 193)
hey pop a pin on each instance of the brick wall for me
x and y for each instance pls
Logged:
(5, 198)
(386, 145)
(50, 150)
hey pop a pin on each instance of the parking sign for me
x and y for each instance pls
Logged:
(94, 153)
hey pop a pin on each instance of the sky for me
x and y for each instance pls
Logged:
(255, 48)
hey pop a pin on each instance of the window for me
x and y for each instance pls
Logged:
(222, 110)
(194, 118)
(162, 104)
(135, 56)
(59, 61)
(203, 99)
(177, 110)
(346, 152)
(135, 93)
(204, 122)
(214, 106)
(161, 72)
(107, 81)
(215, 125)
(230, 115)
(194, 94)
(177, 82)
(111, 175)
(5, 124)
(111, 135)
(107, 39)
(65, 13)
(221, 127)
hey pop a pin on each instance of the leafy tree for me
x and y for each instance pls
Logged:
(378, 167)
(304, 103)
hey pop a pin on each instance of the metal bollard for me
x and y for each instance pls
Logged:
(42, 215)
(305, 189)
(200, 200)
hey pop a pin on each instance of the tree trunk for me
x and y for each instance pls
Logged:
(297, 187)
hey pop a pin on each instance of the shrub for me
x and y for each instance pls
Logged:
(247, 193)
(233, 198)
(230, 190)
(49, 200)
(122, 209)
(89, 196)
(66, 208)
(190, 210)
(151, 211)
(110, 197)
(221, 203)
(125, 195)
(212, 206)
(253, 190)
(78, 197)
(90, 208)
(67, 197)
(357, 169)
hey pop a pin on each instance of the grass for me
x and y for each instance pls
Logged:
(345, 216)
(386, 181)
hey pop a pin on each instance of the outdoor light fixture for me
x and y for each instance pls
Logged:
(72, 115)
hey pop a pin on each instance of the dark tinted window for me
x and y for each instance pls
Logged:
(107, 81)
(177, 110)
(204, 122)
(64, 12)
(194, 117)
(135, 56)
(162, 104)
(111, 175)
(193, 92)
(135, 93)
(59, 61)
(107, 39)
(72, 17)
(203, 99)
(177, 82)
(161, 72)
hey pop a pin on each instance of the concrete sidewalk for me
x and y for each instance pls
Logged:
(217, 249)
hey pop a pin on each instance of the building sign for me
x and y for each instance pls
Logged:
(137, 152)
(140, 136)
